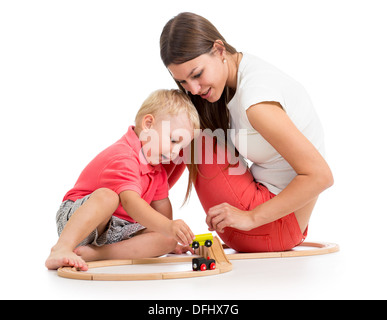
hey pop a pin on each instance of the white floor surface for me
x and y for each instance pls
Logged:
(348, 274)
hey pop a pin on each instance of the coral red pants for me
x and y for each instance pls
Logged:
(216, 185)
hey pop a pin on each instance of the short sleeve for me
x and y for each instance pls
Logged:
(122, 174)
(256, 94)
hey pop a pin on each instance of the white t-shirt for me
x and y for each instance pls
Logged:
(258, 81)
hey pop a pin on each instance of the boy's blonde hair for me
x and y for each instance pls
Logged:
(170, 102)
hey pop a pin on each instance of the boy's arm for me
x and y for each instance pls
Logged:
(143, 213)
(164, 207)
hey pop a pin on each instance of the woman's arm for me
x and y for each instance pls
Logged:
(313, 173)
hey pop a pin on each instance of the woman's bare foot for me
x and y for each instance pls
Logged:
(64, 258)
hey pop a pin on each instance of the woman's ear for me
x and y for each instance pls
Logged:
(147, 122)
(219, 48)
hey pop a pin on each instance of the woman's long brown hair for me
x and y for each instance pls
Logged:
(186, 37)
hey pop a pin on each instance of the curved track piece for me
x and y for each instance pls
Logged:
(216, 252)
(318, 248)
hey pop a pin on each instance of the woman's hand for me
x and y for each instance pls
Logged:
(225, 215)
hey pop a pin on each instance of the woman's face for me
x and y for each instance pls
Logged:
(205, 75)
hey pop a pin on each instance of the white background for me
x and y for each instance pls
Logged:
(74, 73)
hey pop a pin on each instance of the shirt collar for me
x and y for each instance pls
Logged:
(135, 143)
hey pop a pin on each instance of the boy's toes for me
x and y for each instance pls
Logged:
(84, 267)
(68, 262)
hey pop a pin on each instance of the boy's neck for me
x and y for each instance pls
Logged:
(137, 132)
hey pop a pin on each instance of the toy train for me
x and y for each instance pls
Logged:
(202, 240)
(203, 264)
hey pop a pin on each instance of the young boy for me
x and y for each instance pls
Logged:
(119, 207)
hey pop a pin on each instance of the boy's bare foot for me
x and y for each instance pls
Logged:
(64, 258)
(88, 253)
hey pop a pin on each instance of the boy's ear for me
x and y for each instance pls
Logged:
(147, 122)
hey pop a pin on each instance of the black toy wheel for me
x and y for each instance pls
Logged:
(208, 243)
(195, 245)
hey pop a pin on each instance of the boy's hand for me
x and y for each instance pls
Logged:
(183, 249)
(181, 232)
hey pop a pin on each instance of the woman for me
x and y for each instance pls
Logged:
(268, 207)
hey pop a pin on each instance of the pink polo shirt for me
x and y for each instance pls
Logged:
(122, 167)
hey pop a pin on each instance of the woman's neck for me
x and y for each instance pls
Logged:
(233, 64)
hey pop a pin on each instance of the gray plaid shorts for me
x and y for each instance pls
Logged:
(116, 230)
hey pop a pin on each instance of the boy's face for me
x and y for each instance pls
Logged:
(163, 137)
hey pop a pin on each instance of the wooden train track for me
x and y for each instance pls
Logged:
(318, 248)
(216, 251)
